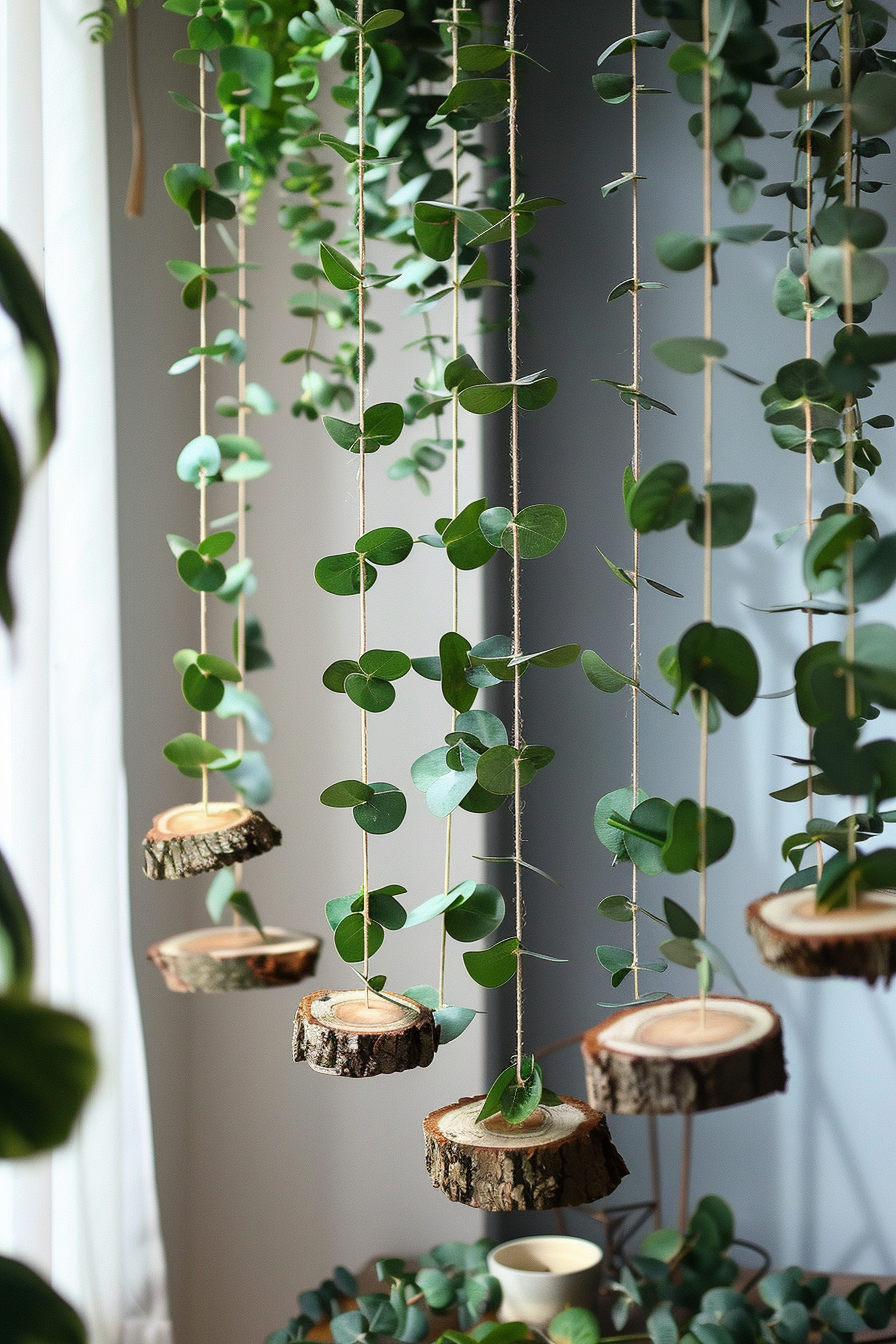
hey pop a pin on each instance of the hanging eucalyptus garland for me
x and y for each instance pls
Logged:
(212, 835)
(831, 917)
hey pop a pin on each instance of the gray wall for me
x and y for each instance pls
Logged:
(268, 1174)
(809, 1174)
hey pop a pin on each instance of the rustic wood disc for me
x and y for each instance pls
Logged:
(665, 1059)
(793, 937)
(563, 1156)
(188, 839)
(212, 961)
(335, 1032)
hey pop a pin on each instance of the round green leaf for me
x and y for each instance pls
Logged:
(620, 801)
(218, 667)
(661, 498)
(341, 574)
(721, 661)
(466, 543)
(383, 812)
(216, 544)
(575, 1325)
(732, 514)
(384, 908)
(201, 454)
(385, 545)
(688, 354)
(339, 270)
(492, 524)
(347, 793)
(494, 966)
(389, 664)
(540, 528)
(249, 470)
(336, 673)
(680, 251)
(874, 103)
(190, 751)
(349, 938)
(47, 1068)
(864, 228)
(827, 273)
(475, 916)
(203, 576)
(201, 692)
(496, 770)
(369, 693)
(652, 817)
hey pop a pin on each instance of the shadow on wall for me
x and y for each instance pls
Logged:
(802, 1170)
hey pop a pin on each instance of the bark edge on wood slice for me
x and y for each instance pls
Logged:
(214, 961)
(565, 1159)
(858, 944)
(186, 840)
(636, 1063)
(333, 1033)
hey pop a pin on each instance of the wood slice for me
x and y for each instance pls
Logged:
(661, 1059)
(336, 1033)
(793, 937)
(188, 839)
(213, 961)
(560, 1157)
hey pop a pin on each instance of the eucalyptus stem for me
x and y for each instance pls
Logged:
(636, 471)
(515, 492)
(707, 468)
(362, 483)
(849, 413)
(203, 395)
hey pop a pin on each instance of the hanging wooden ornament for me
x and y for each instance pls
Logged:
(672, 1058)
(795, 936)
(351, 1034)
(216, 960)
(560, 1157)
(195, 839)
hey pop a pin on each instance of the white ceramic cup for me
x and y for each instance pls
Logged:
(539, 1276)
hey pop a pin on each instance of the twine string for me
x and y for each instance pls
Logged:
(810, 524)
(849, 412)
(203, 395)
(241, 283)
(362, 479)
(707, 470)
(515, 505)
(636, 471)
(455, 351)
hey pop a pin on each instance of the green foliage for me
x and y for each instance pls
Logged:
(452, 1276)
(33, 1311)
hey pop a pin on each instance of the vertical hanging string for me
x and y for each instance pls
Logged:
(810, 626)
(362, 482)
(203, 397)
(241, 485)
(849, 412)
(636, 471)
(707, 464)
(455, 351)
(515, 506)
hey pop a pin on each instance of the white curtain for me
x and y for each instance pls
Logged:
(86, 1215)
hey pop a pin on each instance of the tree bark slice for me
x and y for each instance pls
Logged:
(334, 1033)
(857, 943)
(187, 840)
(214, 961)
(565, 1159)
(659, 1060)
